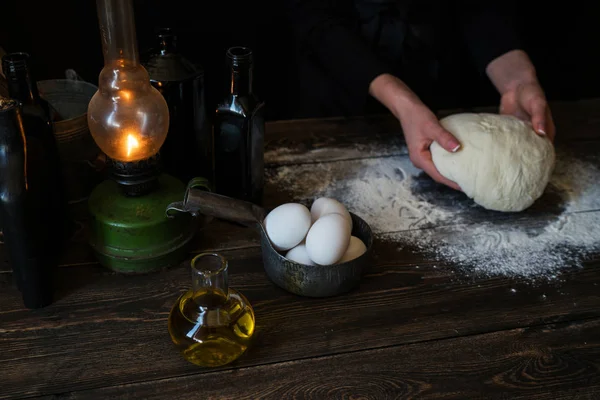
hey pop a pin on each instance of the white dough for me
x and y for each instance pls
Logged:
(298, 254)
(325, 205)
(502, 164)
(356, 249)
(287, 225)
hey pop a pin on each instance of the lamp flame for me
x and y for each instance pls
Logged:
(132, 143)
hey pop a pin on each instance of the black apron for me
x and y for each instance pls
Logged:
(404, 34)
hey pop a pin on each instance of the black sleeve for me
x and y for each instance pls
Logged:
(326, 31)
(489, 29)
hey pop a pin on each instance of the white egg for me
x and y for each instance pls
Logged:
(287, 225)
(356, 248)
(328, 239)
(299, 255)
(325, 205)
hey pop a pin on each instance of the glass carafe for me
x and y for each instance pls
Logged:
(211, 324)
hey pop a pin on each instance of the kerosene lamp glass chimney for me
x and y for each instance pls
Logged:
(127, 117)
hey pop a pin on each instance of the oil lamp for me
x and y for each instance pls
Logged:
(129, 119)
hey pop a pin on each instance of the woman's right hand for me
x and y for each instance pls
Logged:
(421, 128)
(420, 125)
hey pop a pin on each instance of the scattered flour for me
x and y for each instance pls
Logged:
(407, 208)
(297, 155)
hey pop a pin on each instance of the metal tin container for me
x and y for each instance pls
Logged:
(77, 149)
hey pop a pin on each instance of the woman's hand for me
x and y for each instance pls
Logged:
(528, 102)
(419, 124)
(421, 128)
(515, 78)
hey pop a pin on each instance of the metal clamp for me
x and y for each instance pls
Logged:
(183, 206)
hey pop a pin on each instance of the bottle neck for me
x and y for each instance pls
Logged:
(240, 62)
(240, 82)
(209, 274)
(117, 31)
(21, 85)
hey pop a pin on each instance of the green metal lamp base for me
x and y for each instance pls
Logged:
(132, 235)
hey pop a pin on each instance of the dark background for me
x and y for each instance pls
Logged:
(563, 42)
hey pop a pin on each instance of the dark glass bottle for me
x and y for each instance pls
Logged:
(188, 148)
(239, 130)
(44, 171)
(24, 234)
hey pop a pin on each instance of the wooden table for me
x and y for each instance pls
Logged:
(404, 333)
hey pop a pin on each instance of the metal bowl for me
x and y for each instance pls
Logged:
(300, 279)
(318, 281)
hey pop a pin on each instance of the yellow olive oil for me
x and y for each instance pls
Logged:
(211, 328)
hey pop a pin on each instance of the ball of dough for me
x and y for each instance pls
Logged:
(503, 165)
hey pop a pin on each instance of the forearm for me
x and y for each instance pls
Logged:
(394, 94)
(510, 70)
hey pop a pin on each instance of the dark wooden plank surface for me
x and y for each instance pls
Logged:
(220, 236)
(108, 330)
(334, 139)
(112, 329)
(337, 139)
(558, 361)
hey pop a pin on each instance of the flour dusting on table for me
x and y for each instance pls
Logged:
(404, 206)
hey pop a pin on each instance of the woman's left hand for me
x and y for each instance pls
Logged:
(528, 102)
(515, 77)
